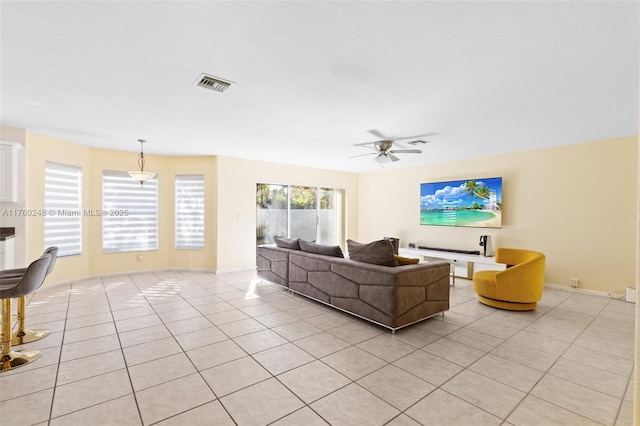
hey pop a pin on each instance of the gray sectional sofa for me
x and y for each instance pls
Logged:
(391, 296)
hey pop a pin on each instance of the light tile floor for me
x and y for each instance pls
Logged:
(194, 348)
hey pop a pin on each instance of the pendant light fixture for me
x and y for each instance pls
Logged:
(141, 176)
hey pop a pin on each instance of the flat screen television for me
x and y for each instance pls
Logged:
(469, 202)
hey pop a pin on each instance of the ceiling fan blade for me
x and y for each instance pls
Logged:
(406, 151)
(369, 144)
(377, 134)
(362, 155)
(393, 157)
(414, 136)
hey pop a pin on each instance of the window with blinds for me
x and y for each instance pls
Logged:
(129, 213)
(189, 226)
(63, 208)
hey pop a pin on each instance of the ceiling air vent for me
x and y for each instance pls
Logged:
(212, 83)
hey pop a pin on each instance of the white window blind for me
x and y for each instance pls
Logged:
(63, 208)
(189, 225)
(129, 213)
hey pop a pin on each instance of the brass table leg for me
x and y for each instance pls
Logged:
(10, 359)
(23, 334)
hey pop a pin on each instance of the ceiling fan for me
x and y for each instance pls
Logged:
(384, 152)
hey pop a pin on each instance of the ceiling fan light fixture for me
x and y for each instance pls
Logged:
(382, 159)
(141, 176)
(385, 148)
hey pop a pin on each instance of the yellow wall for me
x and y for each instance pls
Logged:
(93, 261)
(236, 202)
(39, 150)
(206, 258)
(230, 209)
(576, 204)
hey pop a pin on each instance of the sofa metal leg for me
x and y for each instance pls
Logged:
(452, 272)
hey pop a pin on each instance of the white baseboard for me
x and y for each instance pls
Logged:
(630, 292)
(147, 271)
(609, 294)
(630, 295)
(228, 271)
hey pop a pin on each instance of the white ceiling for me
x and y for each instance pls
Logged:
(312, 77)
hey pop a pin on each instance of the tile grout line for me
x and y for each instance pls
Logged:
(547, 371)
(198, 371)
(59, 363)
(64, 330)
(386, 363)
(124, 358)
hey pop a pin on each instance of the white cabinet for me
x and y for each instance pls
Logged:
(463, 269)
(9, 171)
(7, 254)
(465, 264)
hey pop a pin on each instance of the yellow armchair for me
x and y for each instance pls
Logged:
(517, 288)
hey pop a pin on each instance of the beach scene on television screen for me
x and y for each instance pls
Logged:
(471, 202)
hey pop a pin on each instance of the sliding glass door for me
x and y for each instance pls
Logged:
(330, 216)
(310, 213)
(272, 215)
(303, 213)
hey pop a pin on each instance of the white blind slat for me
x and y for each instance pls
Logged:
(189, 226)
(130, 222)
(63, 204)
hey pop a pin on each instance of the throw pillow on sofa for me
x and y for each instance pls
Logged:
(407, 260)
(377, 252)
(309, 247)
(289, 243)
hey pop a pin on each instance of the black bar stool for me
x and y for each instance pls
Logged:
(13, 287)
(23, 334)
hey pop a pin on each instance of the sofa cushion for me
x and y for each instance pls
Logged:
(406, 260)
(289, 243)
(325, 250)
(377, 252)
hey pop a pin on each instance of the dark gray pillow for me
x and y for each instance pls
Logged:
(289, 243)
(377, 252)
(334, 251)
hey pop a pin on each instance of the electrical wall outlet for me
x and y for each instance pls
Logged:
(574, 282)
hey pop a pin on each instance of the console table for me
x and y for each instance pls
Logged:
(464, 264)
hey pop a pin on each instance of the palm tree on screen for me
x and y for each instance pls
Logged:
(474, 189)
